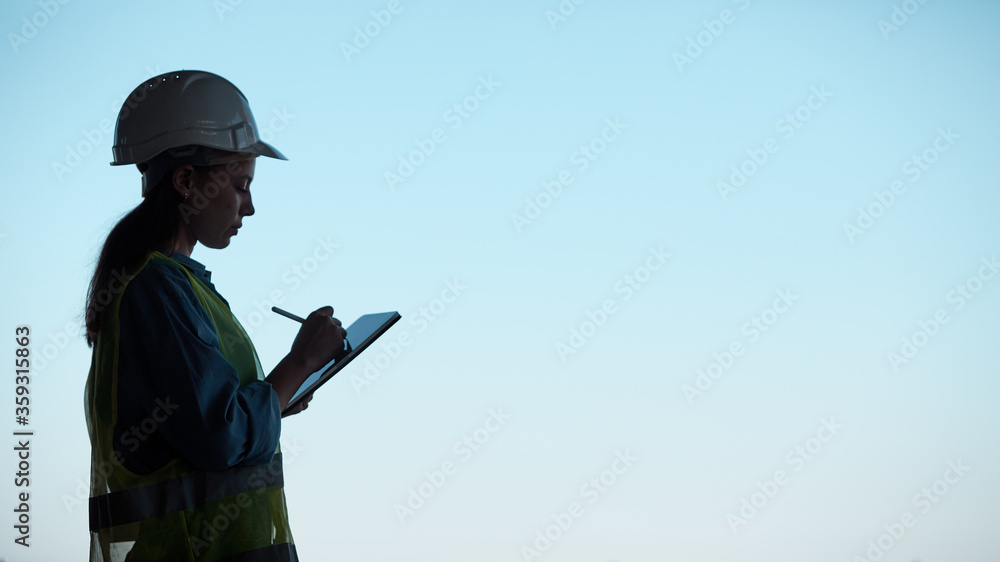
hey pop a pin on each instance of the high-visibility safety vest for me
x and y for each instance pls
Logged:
(179, 513)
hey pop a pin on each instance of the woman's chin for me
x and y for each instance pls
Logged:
(218, 244)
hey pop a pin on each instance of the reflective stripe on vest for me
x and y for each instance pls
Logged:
(181, 494)
(273, 553)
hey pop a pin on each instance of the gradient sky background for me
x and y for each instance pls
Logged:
(359, 450)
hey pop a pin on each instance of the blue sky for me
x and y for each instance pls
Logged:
(512, 99)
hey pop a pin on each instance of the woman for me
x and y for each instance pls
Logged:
(183, 423)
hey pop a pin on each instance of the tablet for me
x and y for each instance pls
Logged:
(360, 335)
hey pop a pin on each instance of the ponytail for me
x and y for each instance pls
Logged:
(148, 227)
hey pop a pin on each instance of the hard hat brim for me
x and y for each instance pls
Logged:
(263, 149)
(259, 148)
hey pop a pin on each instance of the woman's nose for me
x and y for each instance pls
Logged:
(248, 206)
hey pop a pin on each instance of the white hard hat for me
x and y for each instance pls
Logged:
(171, 114)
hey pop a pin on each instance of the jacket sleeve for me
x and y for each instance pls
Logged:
(177, 394)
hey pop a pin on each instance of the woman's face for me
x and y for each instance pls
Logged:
(218, 198)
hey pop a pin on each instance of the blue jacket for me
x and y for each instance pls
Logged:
(169, 360)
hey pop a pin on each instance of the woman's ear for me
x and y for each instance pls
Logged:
(183, 177)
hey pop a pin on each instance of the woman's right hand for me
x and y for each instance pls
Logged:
(319, 340)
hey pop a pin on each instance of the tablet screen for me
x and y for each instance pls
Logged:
(360, 335)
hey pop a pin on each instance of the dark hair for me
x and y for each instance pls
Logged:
(148, 227)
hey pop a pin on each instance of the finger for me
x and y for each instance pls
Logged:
(323, 311)
(306, 400)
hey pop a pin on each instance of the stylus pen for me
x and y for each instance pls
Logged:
(287, 314)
